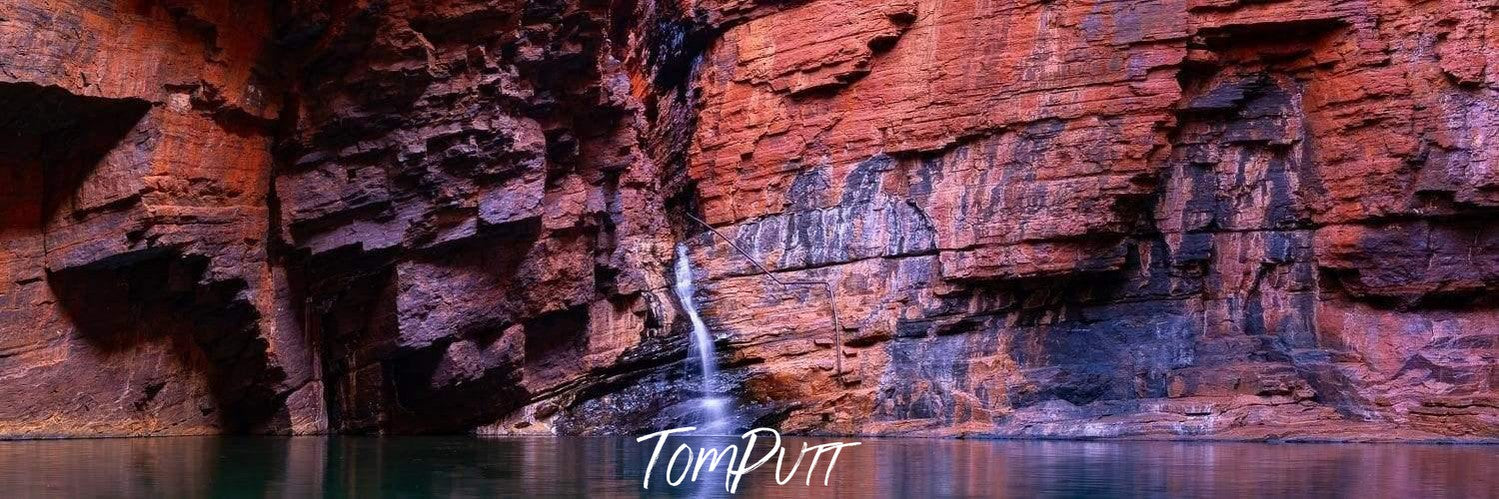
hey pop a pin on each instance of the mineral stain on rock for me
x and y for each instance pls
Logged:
(1090, 219)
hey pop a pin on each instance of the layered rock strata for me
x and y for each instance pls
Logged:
(1202, 219)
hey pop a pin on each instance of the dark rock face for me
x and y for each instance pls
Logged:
(481, 163)
(1068, 219)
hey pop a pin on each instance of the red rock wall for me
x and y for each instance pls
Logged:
(137, 294)
(1072, 218)
(1093, 219)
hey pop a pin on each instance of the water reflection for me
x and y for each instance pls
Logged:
(609, 467)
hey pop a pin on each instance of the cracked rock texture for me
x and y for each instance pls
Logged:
(1078, 218)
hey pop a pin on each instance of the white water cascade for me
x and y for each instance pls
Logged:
(712, 406)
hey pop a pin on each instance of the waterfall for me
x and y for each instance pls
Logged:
(702, 340)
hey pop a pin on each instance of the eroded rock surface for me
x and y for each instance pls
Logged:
(137, 296)
(1148, 218)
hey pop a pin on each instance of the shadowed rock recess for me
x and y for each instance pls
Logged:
(1078, 218)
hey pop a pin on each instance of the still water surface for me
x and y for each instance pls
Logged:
(372, 467)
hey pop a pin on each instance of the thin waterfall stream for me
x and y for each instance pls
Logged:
(713, 407)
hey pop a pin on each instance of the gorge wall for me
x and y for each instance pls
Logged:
(1070, 218)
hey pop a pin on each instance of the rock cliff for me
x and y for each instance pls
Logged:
(1071, 218)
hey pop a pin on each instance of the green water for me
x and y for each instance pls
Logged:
(372, 467)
